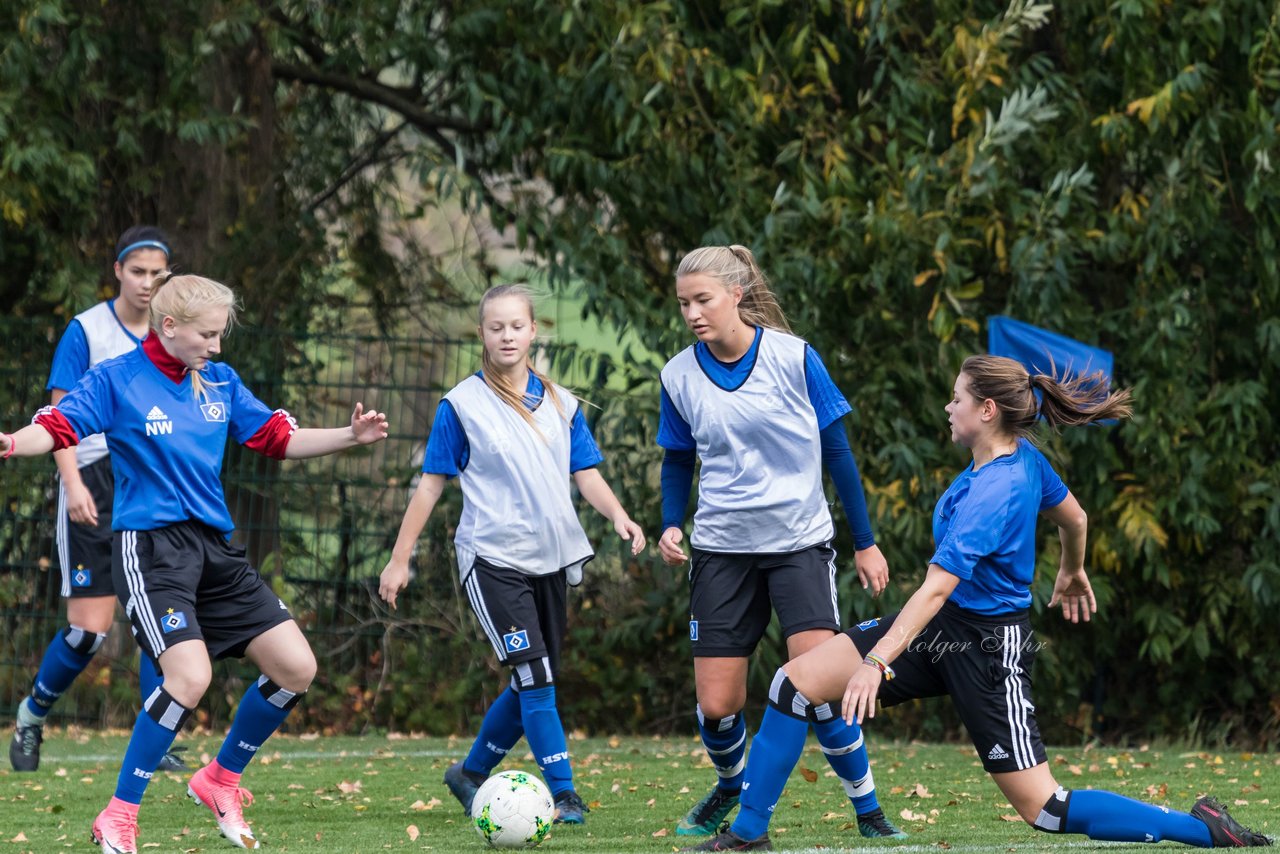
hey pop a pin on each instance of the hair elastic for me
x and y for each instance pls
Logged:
(13, 446)
(142, 244)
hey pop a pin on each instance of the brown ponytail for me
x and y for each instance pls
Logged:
(1080, 400)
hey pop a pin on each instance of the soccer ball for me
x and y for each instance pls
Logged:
(513, 810)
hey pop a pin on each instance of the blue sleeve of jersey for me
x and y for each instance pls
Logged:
(1052, 490)
(674, 433)
(70, 360)
(975, 529)
(90, 404)
(447, 446)
(584, 453)
(247, 414)
(677, 486)
(828, 403)
(839, 460)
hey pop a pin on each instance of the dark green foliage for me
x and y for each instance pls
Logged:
(903, 170)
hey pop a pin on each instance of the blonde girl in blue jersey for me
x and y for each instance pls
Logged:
(756, 406)
(83, 523)
(167, 409)
(514, 440)
(973, 606)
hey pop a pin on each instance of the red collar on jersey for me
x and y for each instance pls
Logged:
(169, 365)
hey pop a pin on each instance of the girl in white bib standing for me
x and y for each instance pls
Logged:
(756, 406)
(514, 439)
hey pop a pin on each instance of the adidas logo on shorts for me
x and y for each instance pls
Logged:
(998, 752)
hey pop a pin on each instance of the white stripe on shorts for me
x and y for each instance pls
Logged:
(138, 601)
(1015, 701)
(60, 536)
(472, 584)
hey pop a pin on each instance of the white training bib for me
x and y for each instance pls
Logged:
(517, 510)
(107, 339)
(760, 487)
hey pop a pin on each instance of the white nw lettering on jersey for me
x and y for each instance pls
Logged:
(156, 428)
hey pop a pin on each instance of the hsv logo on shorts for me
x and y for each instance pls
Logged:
(868, 624)
(516, 641)
(81, 577)
(158, 423)
(214, 411)
(693, 630)
(173, 620)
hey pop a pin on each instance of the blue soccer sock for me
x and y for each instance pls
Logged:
(157, 725)
(149, 676)
(1115, 818)
(775, 750)
(847, 754)
(261, 711)
(726, 742)
(66, 657)
(545, 733)
(501, 729)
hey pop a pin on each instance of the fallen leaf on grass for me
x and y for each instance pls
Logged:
(908, 815)
(413, 832)
(808, 775)
(658, 834)
(1011, 818)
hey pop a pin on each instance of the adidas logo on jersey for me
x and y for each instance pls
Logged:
(998, 752)
(158, 423)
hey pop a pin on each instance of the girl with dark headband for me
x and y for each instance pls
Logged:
(85, 494)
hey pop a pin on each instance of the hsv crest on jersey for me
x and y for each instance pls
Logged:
(216, 411)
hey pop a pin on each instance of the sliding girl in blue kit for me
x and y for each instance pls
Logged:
(974, 605)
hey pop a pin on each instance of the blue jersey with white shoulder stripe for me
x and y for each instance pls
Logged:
(984, 526)
(166, 445)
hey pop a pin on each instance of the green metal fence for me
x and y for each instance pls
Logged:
(320, 530)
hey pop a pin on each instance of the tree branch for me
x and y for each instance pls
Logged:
(376, 93)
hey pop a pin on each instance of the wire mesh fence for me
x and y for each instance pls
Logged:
(320, 530)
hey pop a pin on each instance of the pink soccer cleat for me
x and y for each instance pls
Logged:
(116, 828)
(225, 804)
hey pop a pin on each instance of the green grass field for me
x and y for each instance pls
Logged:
(379, 793)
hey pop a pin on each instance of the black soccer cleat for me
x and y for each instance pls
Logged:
(171, 761)
(1224, 830)
(708, 814)
(24, 747)
(876, 825)
(727, 840)
(463, 784)
(570, 808)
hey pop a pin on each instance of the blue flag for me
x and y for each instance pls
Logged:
(1043, 352)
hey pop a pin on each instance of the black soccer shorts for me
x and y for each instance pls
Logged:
(731, 597)
(523, 616)
(84, 551)
(984, 664)
(184, 582)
